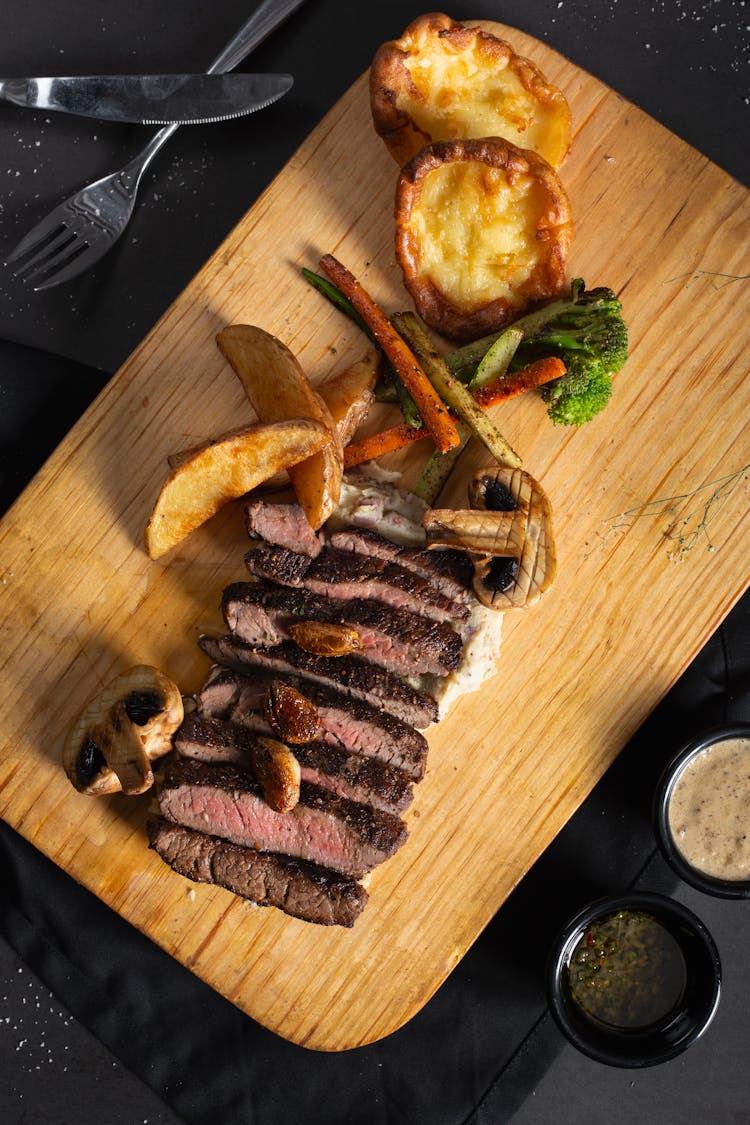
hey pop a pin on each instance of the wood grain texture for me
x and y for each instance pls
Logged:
(80, 601)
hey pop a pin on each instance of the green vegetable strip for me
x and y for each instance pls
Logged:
(452, 391)
(463, 361)
(338, 300)
(411, 414)
(439, 468)
(399, 392)
(496, 359)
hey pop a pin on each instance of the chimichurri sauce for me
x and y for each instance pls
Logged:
(627, 971)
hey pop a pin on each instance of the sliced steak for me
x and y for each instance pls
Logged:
(282, 525)
(344, 575)
(346, 724)
(449, 571)
(207, 739)
(396, 639)
(366, 780)
(353, 677)
(300, 889)
(323, 829)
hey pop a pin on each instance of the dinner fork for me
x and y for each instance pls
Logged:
(80, 231)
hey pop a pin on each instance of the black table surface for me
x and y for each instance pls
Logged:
(96, 1024)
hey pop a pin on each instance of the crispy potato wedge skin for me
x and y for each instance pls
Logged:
(444, 80)
(348, 394)
(225, 470)
(279, 389)
(483, 231)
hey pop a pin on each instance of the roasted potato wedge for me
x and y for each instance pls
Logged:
(348, 394)
(483, 231)
(221, 471)
(279, 389)
(444, 81)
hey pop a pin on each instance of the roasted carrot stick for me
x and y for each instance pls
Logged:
(535, 374)
(435, 414)
(377, 445)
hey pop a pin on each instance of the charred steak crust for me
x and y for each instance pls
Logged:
(448, 570)
(331, 831)
(300, 889)
(209, 739)
(354, 677)
(348, 724)
(343, 574)
(366, 780)
(396, 639)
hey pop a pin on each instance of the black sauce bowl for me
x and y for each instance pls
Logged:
(722, 888)
(659, 1042)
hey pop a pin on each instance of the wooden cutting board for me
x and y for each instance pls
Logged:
(79, 600)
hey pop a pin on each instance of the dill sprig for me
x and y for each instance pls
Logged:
(690, 523)
(696, 275)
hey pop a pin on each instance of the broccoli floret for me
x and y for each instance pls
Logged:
(578, 395)
(587, 332)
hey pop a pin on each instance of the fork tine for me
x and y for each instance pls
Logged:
(52, 248)
(38, 234)
(82, 259)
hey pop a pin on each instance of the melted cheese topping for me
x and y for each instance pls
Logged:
(477, 232)
(470, 94)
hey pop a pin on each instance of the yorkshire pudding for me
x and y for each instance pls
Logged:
(483, 231)
(445, 81)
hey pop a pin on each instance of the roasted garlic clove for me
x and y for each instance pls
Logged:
(290, 714)
(278, 772)
(121, 731)
(323, 639)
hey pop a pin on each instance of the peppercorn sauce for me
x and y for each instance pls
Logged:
(709, 810)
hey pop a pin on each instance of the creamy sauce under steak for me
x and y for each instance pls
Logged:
(709, 810)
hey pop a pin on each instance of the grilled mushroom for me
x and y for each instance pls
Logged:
(524, 537)
(121, 731)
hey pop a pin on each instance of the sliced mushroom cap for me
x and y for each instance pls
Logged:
(523, 534)
(121, 731)
(485, 533)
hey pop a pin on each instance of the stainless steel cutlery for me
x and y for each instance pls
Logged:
(149, 99)
(80, 231)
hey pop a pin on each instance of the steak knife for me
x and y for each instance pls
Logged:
(150, 99)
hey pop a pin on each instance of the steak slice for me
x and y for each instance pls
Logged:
(365, 780)
(329, 831)
(283, 525)
(346, 724)
(396, 639)
(449, 571)
(352, 677)
(300, 889)
(344, 575)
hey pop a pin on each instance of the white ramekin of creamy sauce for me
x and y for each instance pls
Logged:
(702, 812)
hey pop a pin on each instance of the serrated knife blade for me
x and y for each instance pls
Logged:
(149, 99)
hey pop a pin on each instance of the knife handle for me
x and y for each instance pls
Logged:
(265, 19)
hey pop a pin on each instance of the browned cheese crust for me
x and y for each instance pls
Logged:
(443, 80)
(483, 231)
